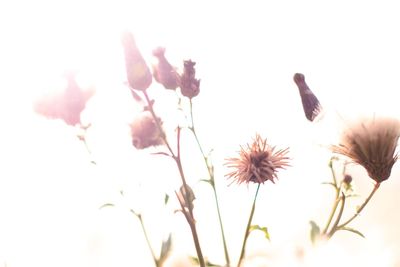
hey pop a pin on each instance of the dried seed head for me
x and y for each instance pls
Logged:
(257, 163)
(372, 144)
(190, 86)
(163, 71)
(138, 73)
(145, 132)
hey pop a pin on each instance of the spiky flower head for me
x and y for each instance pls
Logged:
(257, 162)
(372, 144)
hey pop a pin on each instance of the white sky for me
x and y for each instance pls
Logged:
(246, 54)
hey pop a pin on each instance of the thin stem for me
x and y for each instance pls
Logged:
(177, 158)
(359, 209)
(337, 199)
(212, 183)
(147, 240)
(246, 233)
(339, 216)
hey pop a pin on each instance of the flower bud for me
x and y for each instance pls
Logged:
(138, 73)
(145, 132)
(190, 86)
(163, 72)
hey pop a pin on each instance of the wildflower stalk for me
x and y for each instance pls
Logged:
(210, 170)
(156, 262)
(247, 232)
(337, 198)
(359, 209)
(177, 158)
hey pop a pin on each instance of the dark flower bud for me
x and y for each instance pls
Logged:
(311, 106)
(163, 72)
(66, 105)
(138, 73)
(190, 86)
(145, 132)
(347, 179)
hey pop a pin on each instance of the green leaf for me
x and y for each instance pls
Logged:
(166, 198)
(262, 229)
(352, 230)
(107, 205)
(208, 181)
(165, 248)
(330, 183)
(315, 231)
(208, 264)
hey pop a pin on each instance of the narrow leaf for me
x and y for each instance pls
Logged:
(352, 230)
(107, 205)
(315, 231)
(262, 229)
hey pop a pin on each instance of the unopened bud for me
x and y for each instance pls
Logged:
(190, 86)
(138, 73)
(163, 72)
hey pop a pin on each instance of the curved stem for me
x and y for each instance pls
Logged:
(337, 199)
(246, 234)
(359, 209)
(342, 199)
(177, 158)
(147, 240)
(212, 183)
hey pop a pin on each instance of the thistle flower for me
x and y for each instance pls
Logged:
(145, 132)
(257, 163)
(66, 105)
(190, 86)
(138, 73)
(163, 72)
(311, 106)
(371, 143)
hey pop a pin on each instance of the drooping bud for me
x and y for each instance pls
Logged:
(138, 73)
(311, 106)
(190, 86)
(67, 104)
(145, 132)
(164, 72)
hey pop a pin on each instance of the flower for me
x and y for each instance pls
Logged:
(257, 163)
(372, 144)
(139, 75)
(145, 132)
(67, 104)
(163, 72)
(311, 106)
(190, 86)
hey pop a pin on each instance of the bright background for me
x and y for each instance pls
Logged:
(246, 54)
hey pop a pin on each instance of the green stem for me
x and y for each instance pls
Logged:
(177, 158)
(147, 240)
(337, 199)
(212, 183)
(339, 216)
(246, 233)
(359, 209)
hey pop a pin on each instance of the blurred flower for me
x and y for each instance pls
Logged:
(190, 86)
(163, 72)
(139, 75)
(67, 104)
(257, 163)
(145, 132)
(372, 144)
(311, 106)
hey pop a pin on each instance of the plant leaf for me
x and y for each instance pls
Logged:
(165, 248)
(352, 230)
(107, 205)
(315, 231)
(262, 229)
